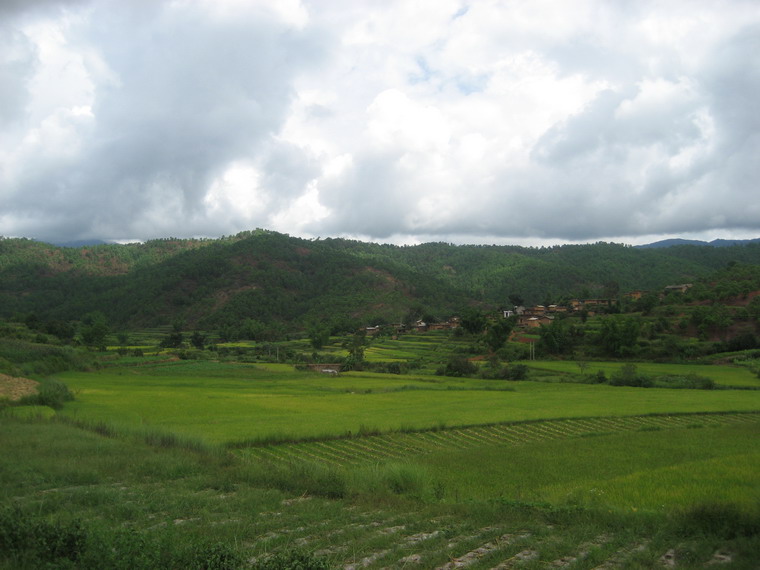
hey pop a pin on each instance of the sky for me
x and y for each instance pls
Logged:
(528, 122)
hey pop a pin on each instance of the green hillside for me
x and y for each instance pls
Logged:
(275, 279)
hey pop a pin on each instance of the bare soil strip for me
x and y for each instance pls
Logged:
(12, 388)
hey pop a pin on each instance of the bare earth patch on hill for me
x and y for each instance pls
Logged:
(13, 388)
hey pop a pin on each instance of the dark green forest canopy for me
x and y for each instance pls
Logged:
(272, 277)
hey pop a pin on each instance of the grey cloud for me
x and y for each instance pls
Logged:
(181, 96)
(732, 79)
(14, 8)
(17, 62)
(186, 96)
(370, 199)
(287, 170)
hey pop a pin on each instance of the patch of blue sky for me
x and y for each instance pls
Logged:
(468, 84)
(461, 12)
(424, 73)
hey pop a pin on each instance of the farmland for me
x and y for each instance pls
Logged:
(173, 415)
(221, 403)
(391, 470)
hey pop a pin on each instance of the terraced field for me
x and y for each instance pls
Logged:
(189, 496)
(357, 539)
(345, 452)
(430, 346)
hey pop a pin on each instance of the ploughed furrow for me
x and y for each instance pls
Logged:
(487, 549)
(411, 442)
(619, 557)
(387, 447)
(661, 421)
(524, 433)
(486, 436)
(581, 553)
(549, 431)
(449, 442)
(397, 446)
(567, 428)
(299, 452)
(341, 454)
(644, 423)
(276, 454)
(506, 435)
(262, 453)
(371, 451)
(589, 426)
(609, 424)
(467, 435)
(427, 441)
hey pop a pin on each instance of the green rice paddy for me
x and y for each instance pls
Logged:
(722, 375)
(380, 470)
(221, 403)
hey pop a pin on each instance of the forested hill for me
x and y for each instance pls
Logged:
(269, 277)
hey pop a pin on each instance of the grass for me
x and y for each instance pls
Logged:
(220, 403)
(722, 375)
(137, 473)
(129, 504)
(653, 470)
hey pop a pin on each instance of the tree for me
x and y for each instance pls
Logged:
(198, 340)
(647, 302)
(172, 340)
(319, 335)
(473, 321)
(618, 335)
(611, 289)
(62, 329)
(457, 365)
(558, 337)
(498, 333)
(356, 345)
(516, 300)
(94, 329)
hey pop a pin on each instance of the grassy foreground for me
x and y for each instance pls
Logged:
(185, 464)
(118, 502)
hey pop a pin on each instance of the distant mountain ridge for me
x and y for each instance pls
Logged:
(79, 243)
(713, 243)
(265, 278)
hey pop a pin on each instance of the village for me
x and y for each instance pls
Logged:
(528, 317)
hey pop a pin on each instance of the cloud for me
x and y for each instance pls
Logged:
(394, 120)
(175, 98)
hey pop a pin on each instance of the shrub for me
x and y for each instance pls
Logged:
(51, 393)
(28, 541)
(301, 478)
(294, 559)
(690, 381)
(36, 541)
(628, 376)
(457, 366)
(716, 519)
(517, 372)
(404, 479)
(216, 557)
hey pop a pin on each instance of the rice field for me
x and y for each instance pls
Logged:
(722, 375)
(370, 470)
(373, 449)
(228, 402)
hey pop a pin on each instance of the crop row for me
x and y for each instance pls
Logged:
(342, 452)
